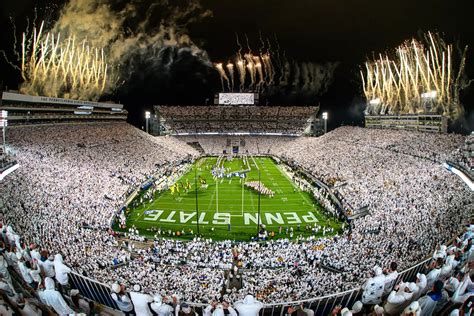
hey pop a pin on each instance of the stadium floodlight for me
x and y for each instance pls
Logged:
(428, 99)
(3, 125)
(429, 95)
(147, 117)
(325, 118)
(375, 101)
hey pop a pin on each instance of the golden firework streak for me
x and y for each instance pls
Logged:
(417, 74)
(53, 66)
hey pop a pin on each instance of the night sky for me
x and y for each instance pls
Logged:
(307, 30)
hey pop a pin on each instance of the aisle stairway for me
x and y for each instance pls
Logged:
(197, 146)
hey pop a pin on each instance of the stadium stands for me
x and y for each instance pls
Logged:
(74, 178)
(216, 145)
(466, 158)
(287, 120)
(26, 110)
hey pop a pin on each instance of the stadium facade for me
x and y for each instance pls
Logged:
(431, 123)
(238, 114)
(26, 109)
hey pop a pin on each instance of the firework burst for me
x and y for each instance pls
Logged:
(62, 67)
(266, 72)
(419, 77)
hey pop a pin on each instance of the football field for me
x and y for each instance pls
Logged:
(227, 208)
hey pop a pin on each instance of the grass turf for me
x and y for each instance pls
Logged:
(224, 201)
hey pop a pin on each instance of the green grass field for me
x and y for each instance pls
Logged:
(224, 203)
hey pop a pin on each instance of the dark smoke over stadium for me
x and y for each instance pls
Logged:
(146, 46)
(136, 42)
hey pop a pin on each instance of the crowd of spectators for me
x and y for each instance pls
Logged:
(254, 145)
(234, 119)
(465, 156)
(72, 179)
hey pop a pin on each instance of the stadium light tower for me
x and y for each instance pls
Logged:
(3, 125)
(325, 118)
(375, 101)
(258, 207)
(196, 195)
(429, 95)
(147, 118)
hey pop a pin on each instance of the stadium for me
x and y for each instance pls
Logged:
(243, 207)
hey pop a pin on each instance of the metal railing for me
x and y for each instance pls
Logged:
(409, 275)
(92, 289)
(321, 305)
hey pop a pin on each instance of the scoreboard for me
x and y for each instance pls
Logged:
(237, 99)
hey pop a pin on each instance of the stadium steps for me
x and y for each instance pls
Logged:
(363, 211)
(197, 146)
(236, 282)
(330, 269)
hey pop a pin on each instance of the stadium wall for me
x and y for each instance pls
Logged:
(423, 123)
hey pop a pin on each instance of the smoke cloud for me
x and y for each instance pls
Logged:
(273, 76)
(137, 37)
(148, 53)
